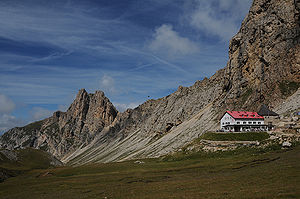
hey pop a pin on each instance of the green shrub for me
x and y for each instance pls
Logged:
(33, 126)
(287, 88)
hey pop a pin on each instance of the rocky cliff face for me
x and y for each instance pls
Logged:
(264, 61)
(264, 67)
(65, 132)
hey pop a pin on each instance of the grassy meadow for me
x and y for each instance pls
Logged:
(245, 136)
(246, 173)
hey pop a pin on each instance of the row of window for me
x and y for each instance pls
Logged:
(249, 122)
(243, 123)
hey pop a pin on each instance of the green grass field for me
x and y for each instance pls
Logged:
(28, 159)
(247, 136)
(241, 174)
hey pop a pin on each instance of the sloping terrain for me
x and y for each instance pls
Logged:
(291, 104)
(240, 174)
(263, 67)
(13, 163)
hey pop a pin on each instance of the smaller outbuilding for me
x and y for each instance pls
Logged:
(237, 121)
(267, 113)
(270, 116)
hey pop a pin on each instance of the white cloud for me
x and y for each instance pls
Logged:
(107, 84)
(219, 18)
(8, 121)
(39, 113)
(204, 20)
(6, 104)
(168, 41)
(123, 107)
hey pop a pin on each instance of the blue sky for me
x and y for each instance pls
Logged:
(130, 49)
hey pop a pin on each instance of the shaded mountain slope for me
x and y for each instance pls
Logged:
(13, 163)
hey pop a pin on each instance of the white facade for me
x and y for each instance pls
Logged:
(229, 123)
(227, 120)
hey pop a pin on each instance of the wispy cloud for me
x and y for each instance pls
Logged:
(159, 61)
(38, 113)
(6, 104)
(7, 120)
(107, 84)
(69, 27)
(52, 56)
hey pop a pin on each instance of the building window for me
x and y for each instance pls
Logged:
(259, 122)
(244, 122)
(249, 122)
(238, 122)
(254, 122)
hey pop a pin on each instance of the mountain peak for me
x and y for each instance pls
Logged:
(99, 93)
(81, 92)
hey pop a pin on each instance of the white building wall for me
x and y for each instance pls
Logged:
(227, 120)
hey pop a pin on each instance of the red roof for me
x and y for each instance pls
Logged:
(244, 115)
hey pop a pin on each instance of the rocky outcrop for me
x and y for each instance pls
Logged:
(155, 128)
(264, 61)
(64, 132)
(263, 67)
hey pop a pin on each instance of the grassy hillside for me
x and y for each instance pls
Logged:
(240, 174)
(247, 136)
(17, 162)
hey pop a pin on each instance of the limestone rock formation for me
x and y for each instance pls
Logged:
(264, 61)
(156, 127)
(65, 132)
(263, 67)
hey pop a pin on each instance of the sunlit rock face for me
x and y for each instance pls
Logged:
(264, 55)
(65, 132)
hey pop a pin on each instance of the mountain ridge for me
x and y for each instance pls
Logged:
(65, 131)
